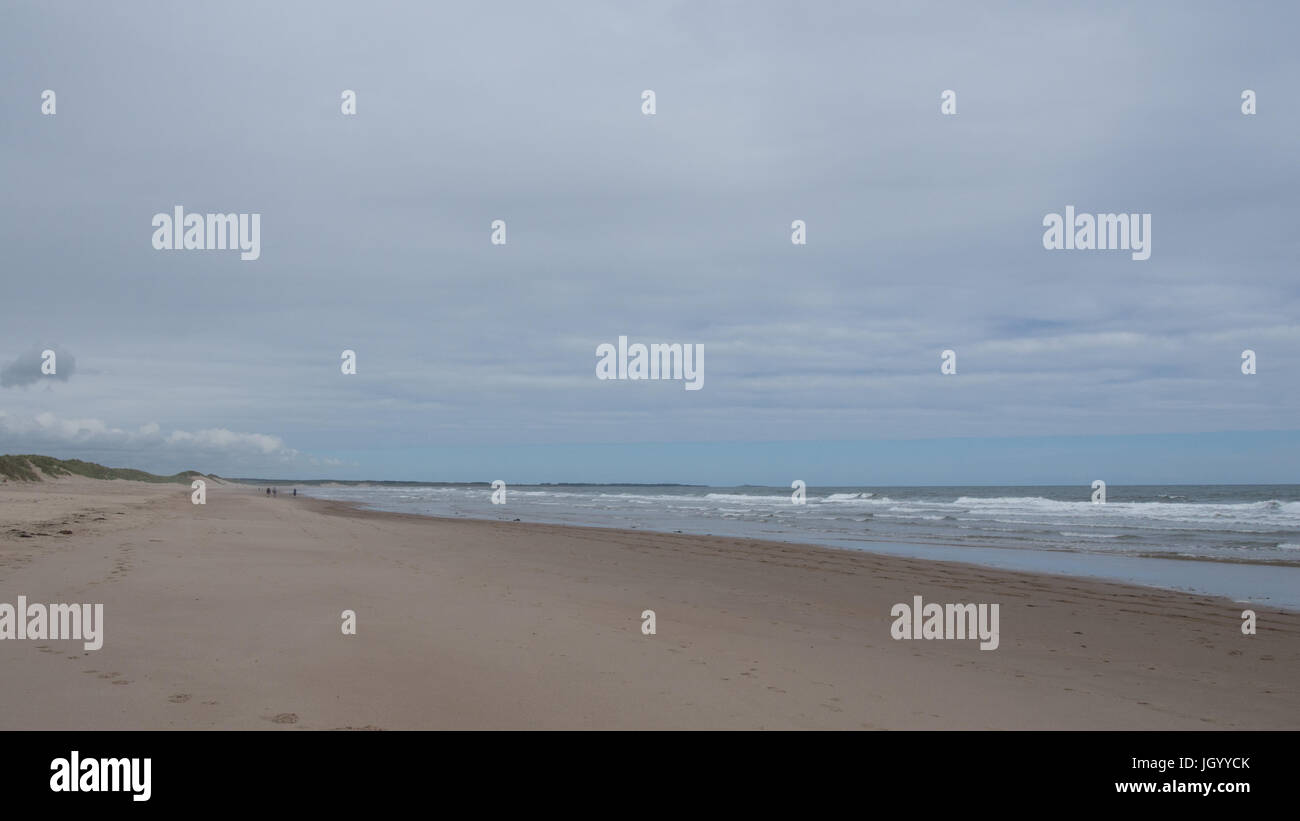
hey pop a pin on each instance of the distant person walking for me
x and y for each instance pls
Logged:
(268, 491)
(295, 491)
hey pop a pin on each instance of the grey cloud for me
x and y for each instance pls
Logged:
(27, 368)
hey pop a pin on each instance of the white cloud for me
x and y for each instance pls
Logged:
(47, 429)
(222, 439)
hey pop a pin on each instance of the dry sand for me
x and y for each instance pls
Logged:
(227, 615)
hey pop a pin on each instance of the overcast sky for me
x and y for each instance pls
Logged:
(477, 361)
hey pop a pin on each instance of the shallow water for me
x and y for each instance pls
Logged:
(1240, 541)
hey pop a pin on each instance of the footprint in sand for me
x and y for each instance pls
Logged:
(284, 718)
(121, 681)
(109, 675)
(179, 698)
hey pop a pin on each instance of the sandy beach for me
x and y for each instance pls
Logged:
(227, 616)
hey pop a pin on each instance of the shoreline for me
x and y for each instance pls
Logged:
(1264, 583)
(227, 616)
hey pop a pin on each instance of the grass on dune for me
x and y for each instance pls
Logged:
(32, 467)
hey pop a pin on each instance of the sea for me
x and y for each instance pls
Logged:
(1238, 541)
